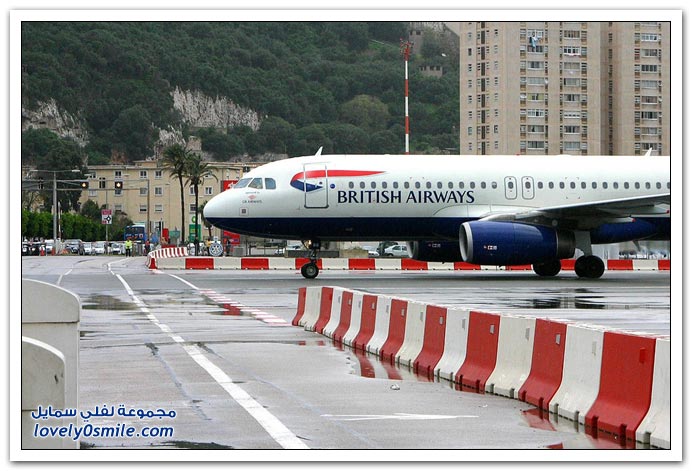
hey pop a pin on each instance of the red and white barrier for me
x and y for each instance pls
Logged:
(168, 252)
(514, 353)
(383, 264)
(612, 382)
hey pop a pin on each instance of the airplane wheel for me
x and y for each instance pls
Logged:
(310, 270)
(589, 266)
(550, 268)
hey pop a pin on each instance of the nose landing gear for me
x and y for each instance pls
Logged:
(310, 270)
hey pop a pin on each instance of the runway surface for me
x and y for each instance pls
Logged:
(157, 339)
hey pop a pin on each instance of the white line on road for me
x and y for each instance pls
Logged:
(273, 426)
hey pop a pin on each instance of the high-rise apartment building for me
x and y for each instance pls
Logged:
(597, 88)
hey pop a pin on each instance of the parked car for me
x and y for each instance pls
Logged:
(117, 248)
(88, 248)
(396, 251)
(99, 248)
(372, 252)
(75, 246)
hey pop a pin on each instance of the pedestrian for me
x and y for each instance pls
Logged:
(128, 247)
(146, 247)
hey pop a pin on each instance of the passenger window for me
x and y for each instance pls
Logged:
(583, 185)
(615, 185)
(406, 185)
(439, 185)
(428, 185)
(562, 185)
(373, 185)
(256, 183)
(450, 185)
(668, 185)
(270, 183)
(351, 185)
(647, 185)
(551, 185)
(483, 185)
(461, 185)
(605, 185)
(510, 185)
(658, 185)
(636, 185)
(417, 185)
(494, 185)
(594, 185)
(540, 185)
(472, 185)
(627, 185)
(572, 185)
(384, 185)
(362, 185)
(395, 185)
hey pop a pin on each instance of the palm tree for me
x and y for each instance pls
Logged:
(206, 223)
(175, 159)
(195, 171)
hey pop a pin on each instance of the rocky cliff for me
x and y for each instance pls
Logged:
(202, 111)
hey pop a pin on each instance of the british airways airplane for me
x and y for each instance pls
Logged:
(485, 210)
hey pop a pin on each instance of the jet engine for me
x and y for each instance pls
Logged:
(509, 243)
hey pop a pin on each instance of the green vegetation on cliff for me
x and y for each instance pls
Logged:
(336, 85)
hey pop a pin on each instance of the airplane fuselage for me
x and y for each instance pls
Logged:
(422, 197)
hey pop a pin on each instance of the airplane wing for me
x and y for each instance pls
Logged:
(590, 214)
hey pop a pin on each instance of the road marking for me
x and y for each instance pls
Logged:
(273, 426)
(397, 416)
(64, 274)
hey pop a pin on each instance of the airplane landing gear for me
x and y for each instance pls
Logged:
(310, 270)
(589, 266)
(550, 268)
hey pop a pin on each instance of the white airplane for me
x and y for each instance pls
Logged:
(485, 210)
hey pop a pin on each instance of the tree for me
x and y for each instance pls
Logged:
(366, 112)
(196, 170)
(175, 160)
(206, 223)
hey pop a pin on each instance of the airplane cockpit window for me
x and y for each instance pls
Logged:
(242, 183)
(270, 184)
(256, 183)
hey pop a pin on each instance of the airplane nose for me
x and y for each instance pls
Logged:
(213, 210)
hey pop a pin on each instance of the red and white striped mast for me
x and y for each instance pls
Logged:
(405, 48)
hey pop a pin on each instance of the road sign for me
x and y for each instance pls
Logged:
(106, 216)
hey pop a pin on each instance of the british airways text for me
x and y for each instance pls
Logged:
(398, 196)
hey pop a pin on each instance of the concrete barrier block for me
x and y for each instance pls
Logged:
(379, 336)
(414, 333)
(514, 353)
(335, 263)
(313, 299)
(387, 263)
(335, 314)
(433, 340)
(356, 316)
(655, 428)
(367, 322)
(325, 309)
(456, 333)
(581, 373)
(344, 316)
(648, 265)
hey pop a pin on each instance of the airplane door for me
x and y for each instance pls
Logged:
(315, 187)
(511, 188)
(527, 191)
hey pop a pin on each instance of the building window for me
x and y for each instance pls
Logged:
(143, 191)
(142, 208)
(102, 183)
(208, 191)
(158, 174)
(158, 208)
(118, 174)
(143, 174)
(158, 191)
(193, 208)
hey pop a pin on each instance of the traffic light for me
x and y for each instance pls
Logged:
(118, 185)
(84, 185)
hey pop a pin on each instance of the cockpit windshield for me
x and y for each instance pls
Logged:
(242, 183)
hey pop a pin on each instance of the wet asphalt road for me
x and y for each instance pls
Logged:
(155, 340)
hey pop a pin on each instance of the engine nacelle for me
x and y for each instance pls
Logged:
(509, 243)
(434, 250)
